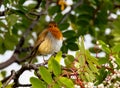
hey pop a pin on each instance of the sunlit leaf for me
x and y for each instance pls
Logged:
(9, 86)
(56, 86)
(12, 19)
(0, 84)
(56, 67)
(67, 82)
(37, 83)
(69, 60)
(116, 48)
(45, 74)
(58, 56)
(104, 46)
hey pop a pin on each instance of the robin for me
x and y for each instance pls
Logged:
(49, 41)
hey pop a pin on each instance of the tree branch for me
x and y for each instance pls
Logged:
(24, 68)
(8, 62)
(10, 78)
(20, 44)
(22, 40)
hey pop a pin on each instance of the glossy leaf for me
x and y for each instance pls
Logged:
(58, 57)
(58, 17)
(72, 46)
(69, 60)
(64, 48)
(67, 82)
(63, 26)
(45, 74)
(56, 67)
(69, 33)
(12, 19)
(104, 46)
(37, 83)
(54, 9)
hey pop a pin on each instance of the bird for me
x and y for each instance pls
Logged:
(49, 40)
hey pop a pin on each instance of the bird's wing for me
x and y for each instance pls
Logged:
(40, 39)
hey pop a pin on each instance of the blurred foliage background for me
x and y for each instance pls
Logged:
(98, 18)
(93, 17)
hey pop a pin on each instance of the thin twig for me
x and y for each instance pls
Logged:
(8, 62)
(24, 68)
(38, 4)
(24, 85)
(10, 78)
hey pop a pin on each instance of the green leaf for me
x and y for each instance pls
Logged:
(58, 17)
(81, 59)
(72, 18)
(45, 74)
(72, 46)
(2, 24)
(58, 57)
(93, 67)
(89, 76)
(101, 76)
(64, 48)
(81, 45)
(50, 63)
(91, 58)
(69, 60)
(37, 83)
(56, 67)
(10, 41)
(21, 2)
(9, 86)
(116, 48)
(69, 33)
(102, 60)
(66, 82)
(72, 39)
(12, 19)
(0, 84)
(63, 26)
(104, 46)
(56, 86)
(117, 60)
(3, 73)
(2, 48)
(54, 9)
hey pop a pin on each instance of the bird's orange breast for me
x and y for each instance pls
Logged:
(50, 40)
(56, 33)
(50, 44)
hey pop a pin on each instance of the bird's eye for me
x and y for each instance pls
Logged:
(55, 25)
(50, 26)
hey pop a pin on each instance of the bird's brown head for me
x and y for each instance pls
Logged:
(53, 28)
(52, 24)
